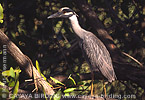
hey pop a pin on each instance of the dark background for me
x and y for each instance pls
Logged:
(54, 45)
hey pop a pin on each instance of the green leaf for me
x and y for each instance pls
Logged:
(1, 83)
(6, 73)
(15, 90)
(56, 81)
(57, 96)
(11, 83)
(17, 75)
(38, 67)
(69, 90)
(1, 21)
(1, 9)
(7, 80)
(1, 14)
(17, 70)
(72, 79)
(1, 52)
(46, 80)
(66, 94)
(44, 77)
(12, 73)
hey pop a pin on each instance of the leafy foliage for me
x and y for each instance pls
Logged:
(12, 77)
(53, 42)
(1, 14)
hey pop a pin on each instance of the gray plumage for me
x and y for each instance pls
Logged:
(98, 56)
(94, 50)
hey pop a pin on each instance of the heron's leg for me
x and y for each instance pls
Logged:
(104, 86)
(92, 85)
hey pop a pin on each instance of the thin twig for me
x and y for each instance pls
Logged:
(133, 58)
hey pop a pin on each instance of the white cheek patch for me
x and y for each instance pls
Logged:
(68, 13)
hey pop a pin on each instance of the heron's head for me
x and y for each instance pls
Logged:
(64, 12)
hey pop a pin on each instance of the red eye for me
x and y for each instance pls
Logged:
(64, 12)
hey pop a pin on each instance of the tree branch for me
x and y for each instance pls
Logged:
(24, 63)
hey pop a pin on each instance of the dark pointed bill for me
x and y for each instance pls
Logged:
(55, 15)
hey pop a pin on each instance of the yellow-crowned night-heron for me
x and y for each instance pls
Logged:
(94, 50)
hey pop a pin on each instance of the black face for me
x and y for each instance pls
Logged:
(64, 12)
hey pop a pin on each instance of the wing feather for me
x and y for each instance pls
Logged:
(98, 56)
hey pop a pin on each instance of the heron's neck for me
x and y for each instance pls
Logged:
(75, 26)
